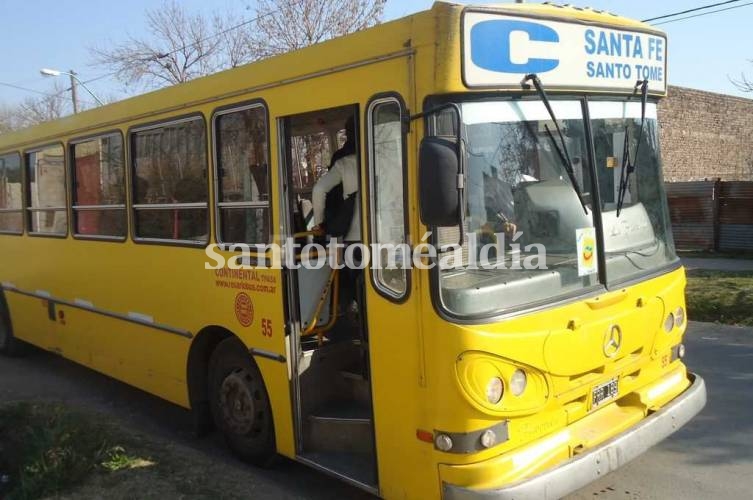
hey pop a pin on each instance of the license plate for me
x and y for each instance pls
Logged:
(603, 393)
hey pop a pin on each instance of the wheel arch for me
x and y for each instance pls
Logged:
(197, 368)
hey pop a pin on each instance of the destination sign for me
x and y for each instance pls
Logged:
(500, 50)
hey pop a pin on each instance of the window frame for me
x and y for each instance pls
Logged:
(28, 209)
(218, 205)
(374, 102)
(134, 207)
(72, 188)
(22, 210)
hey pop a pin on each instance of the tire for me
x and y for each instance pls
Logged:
(240, 404)
(9, 345)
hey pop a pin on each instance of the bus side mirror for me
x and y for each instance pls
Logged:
(438, 176)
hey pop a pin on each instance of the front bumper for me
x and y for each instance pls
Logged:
(585, 468)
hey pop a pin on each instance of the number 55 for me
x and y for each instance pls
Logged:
(266, 327)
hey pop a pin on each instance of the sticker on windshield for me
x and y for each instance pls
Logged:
(586, 247)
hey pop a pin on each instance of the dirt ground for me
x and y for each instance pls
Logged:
(185, 467)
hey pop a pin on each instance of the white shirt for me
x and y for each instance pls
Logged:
(345, 171)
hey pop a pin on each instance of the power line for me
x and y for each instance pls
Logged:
(58, 95)
(689, 11)
(27, 89)
(703, 14)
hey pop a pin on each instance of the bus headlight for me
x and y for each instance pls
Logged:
(669, 323)
(679, 317)
(494, 390)
(500, 387)
(518, 382)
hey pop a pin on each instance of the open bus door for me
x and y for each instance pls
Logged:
(326, 313)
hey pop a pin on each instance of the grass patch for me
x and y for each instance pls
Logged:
(46, 449)
(720, 297)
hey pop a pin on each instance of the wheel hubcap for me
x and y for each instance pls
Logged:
(238, 402)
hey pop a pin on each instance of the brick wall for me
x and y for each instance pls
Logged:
(706, 135)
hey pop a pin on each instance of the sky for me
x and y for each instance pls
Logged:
(704, 52)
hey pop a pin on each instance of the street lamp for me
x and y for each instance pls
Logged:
(74, 82)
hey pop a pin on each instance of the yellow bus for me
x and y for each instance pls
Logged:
(527, 342)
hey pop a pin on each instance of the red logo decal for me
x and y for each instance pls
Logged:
(244, 309)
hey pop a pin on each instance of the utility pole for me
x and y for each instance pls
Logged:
(74, 91)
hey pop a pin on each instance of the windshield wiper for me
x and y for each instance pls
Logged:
(562, 153)
(628, 167)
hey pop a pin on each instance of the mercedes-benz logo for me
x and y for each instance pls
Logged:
(612, 341)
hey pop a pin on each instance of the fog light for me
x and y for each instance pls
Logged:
(443, 442)
(669, 323)
(488, 438)
(494, 390)
(518, 382)
(681, 351)
(679, 317)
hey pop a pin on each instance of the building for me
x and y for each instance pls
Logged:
(706, 136)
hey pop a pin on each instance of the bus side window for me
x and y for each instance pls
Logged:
(170, 181)
(99, 187)
(242, 175)
(11, 204)
(46, 201)
(388, 228)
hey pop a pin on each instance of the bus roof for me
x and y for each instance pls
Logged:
(390, 39)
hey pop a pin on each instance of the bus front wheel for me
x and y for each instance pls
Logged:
(240, 403)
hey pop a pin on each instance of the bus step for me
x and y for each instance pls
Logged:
(358, 387)
(348, 431)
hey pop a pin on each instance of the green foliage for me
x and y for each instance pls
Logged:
(721, 297)
(47, 449)
(117, 459)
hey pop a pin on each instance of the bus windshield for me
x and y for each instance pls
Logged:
(529, 239)
(639, 239)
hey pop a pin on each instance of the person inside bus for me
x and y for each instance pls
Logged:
(499, 209)
(339, 218)
(343, 219)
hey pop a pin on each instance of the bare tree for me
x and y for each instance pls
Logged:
(180, 46)
(34, 110)
(8, 119)
(285, 25)
(234, 43)
(743, 83)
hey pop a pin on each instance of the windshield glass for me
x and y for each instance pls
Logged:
(529, 238)
(639, 239)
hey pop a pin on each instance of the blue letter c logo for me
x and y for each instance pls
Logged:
(490, 46)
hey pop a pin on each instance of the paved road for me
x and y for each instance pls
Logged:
(711, 458)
